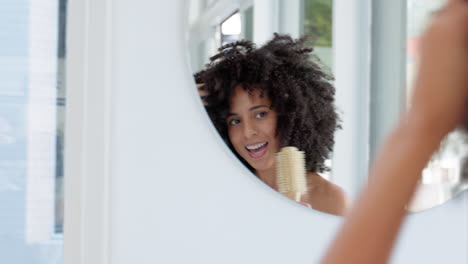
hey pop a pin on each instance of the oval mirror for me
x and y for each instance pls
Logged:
(265, 91)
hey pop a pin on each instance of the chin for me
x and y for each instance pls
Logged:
(263, 163)
(261, 166)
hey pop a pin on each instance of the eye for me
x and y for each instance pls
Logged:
(233, 122)
(261, 114)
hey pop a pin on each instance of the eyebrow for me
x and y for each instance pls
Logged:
(250, 109)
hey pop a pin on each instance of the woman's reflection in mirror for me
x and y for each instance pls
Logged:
(262, 99)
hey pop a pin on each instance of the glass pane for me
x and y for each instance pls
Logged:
(318, 24)
(231, 29)
(248, 23)
(32, 101)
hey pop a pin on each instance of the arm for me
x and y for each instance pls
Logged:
(373, 223)
(439, 105)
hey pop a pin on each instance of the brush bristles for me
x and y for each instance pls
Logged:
(291, 172)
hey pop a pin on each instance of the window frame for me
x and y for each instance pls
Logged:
(352, 47)
(88, 132)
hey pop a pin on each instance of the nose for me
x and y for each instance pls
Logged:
(249, 129)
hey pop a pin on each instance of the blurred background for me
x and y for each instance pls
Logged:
(33, 99)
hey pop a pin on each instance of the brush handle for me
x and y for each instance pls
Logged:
(291, 173)
(296, 196)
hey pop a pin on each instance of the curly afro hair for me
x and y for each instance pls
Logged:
(300, 92)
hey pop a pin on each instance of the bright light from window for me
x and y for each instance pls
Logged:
(232, 26)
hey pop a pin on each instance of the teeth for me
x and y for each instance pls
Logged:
(256, 146)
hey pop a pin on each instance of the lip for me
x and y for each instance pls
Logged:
(258, 153)
(256, 143)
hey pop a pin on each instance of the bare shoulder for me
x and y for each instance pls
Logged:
(325, 196)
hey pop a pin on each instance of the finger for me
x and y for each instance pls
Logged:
(448, 6)
(451, 2)
(201, 86)
(454, 4)
(452, 17)
(456, 16)
(202, 92)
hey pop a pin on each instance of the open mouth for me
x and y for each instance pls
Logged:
(257, 150)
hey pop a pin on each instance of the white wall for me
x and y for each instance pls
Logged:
(179, 196)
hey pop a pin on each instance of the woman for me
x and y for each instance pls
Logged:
(439, 105)
(263, 99)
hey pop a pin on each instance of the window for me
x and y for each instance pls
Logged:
(318, 24)
(231, 29)
(32, 102)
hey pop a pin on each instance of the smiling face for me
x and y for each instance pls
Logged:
(252, 127)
